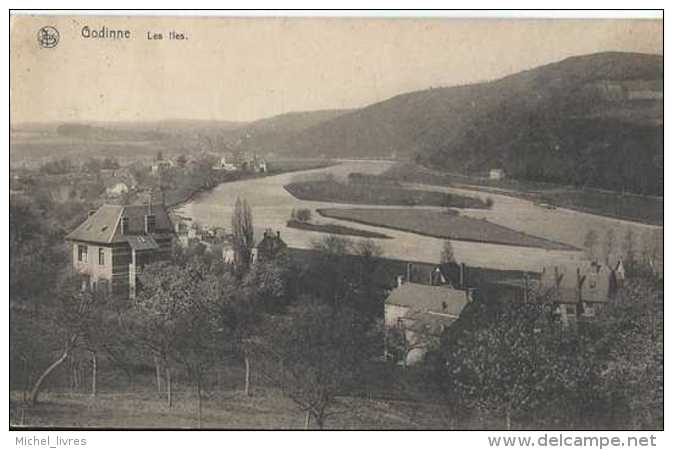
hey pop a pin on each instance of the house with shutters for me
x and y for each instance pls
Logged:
(579, 290)
(115, 242)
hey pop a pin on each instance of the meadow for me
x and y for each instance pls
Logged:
(334, 229)
(441, 224)
(332, 191)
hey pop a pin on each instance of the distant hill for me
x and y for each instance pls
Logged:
(593, 120)
(277, 133)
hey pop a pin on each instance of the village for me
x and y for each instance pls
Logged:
(132, 238)
(337, 224)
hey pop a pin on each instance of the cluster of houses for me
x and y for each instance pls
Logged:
(115, 242)
(421, 308)
(229, 162)
(245, 162)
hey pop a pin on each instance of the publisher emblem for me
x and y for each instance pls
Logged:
(48, 37)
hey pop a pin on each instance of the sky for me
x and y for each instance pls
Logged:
(242, 69)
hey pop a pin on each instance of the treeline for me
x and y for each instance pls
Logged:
(95, 132)
(64, 166)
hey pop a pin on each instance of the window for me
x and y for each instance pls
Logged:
(81, 253)
(125, 225)
(571, 310)
(150, 223)
(101, 256)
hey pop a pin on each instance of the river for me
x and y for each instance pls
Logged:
(271, 205)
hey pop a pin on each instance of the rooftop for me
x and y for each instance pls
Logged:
(421, 297)
(103, 226)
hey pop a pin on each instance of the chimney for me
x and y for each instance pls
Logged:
(91, 212)
(150, 223)
(125, 225)
(278, 234)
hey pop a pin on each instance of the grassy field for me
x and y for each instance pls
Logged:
(377, 194)
(638, 208)
(441, 224)
(266, 409)
(334, 229)
(388, 397)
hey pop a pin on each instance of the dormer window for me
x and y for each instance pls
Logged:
(150, 223)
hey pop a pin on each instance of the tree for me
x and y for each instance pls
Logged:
(182, 318)
(313, 354)
(590, 242)
(447, 255)
(627, 343)
(74, 319)
(608, 244)
(243, 235)
(331, 276)
(264, 289)
(652, 246)
(506, 366)
(202, 332)
(628, 247)
(303, 215)
(369, 295)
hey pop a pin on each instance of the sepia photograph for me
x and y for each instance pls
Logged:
(369, 221)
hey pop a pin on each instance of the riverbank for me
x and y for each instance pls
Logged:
(183, 194)
(631, 207)
(335, 229)
(443, 225)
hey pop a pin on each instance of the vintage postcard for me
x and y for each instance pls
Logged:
(383, 222)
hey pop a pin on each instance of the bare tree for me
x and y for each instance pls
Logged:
(447, 255)
(590, 242)
(314, 354)
(75, 318)
(628, 247)
(243, 235)
(608, 244)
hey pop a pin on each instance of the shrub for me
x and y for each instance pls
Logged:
(303, 215)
